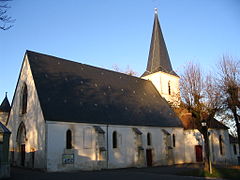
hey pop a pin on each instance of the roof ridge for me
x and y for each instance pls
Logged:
(91, 66)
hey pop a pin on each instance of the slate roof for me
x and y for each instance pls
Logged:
(4, 129)
(5, 106)
(158, 58)
(74, 92)
(215, 124)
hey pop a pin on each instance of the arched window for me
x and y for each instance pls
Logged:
(21, 134)
(221, 144)
(24, 99)
(69, 139)
(169, 87)
(114, 139)
(173, 140)
(149, 139)
(235, 149)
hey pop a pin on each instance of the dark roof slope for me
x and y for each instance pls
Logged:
(158, 58)
(4, 129)
(215, 124)
(74, 92)
(189, 122)
(5, 106)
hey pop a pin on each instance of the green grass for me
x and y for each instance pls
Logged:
(227, 173)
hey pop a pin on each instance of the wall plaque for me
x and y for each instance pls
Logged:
(68, 158)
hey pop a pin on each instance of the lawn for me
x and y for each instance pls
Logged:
(226, 173)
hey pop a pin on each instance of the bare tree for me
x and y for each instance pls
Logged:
(6, 20)
(200, 96)
(127, 71)
(229, 83)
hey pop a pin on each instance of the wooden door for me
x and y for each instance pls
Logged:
(149, 157)
(198, 151)
(22, 154)
(32, 156)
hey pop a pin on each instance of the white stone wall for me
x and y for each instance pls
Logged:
(85, 157)
(192, 139)
(217, 157)
(33, 120)
(179, 148)
(234, 157)
(125, 155)
(161, 80)
(3, 117)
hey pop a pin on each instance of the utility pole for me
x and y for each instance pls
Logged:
(207, 160)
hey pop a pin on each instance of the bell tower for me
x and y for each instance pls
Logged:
(159, 69)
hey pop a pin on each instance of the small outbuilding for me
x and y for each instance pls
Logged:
(4, 152)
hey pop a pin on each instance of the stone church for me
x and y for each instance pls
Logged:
(69, 116)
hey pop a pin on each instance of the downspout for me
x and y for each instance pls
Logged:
(107, 148)
(46, 142)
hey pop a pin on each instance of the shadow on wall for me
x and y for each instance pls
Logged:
(193, 139)
(23, 159)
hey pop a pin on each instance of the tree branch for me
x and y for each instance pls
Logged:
(4, 18)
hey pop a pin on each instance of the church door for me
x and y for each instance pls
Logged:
(149, 157)
(22, 154)
(21, 140)
(198, 150)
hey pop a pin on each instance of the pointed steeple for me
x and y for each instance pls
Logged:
(158, 58)
(5, 106)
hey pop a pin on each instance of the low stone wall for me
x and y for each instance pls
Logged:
(4, 170)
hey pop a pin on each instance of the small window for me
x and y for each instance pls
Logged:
(69, 139)
(1, 137)
(235, 149)
(173, 140)
(221, 145)
(24, 99)
(139, 140)
(169, 87)
(101, 140)
(114, 139)
(149, 140)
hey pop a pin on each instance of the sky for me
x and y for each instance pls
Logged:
(104, 33)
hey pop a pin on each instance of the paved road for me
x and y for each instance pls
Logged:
(158, 173)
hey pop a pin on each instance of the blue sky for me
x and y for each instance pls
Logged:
(103, 33)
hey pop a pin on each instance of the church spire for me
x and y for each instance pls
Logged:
(158, 58)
